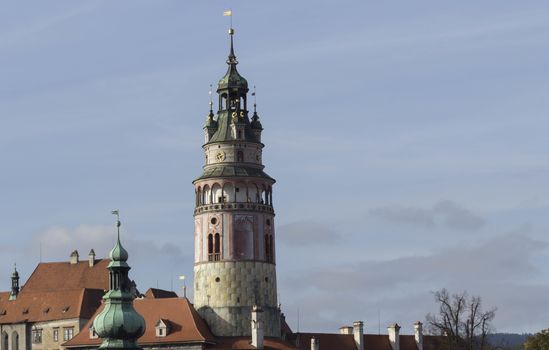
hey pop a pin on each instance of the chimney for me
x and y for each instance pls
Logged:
(418, 334)
(358, 334)
(74, 257)
(91, 258)
(315, 344)
(394, 337)
(345, 330)
(257, 327)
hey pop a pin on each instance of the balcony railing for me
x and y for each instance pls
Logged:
(234, 207)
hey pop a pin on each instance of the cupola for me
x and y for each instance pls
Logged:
(118, 324)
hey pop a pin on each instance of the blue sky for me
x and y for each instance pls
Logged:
(408, 139)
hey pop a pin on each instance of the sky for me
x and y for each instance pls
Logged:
(408, 140)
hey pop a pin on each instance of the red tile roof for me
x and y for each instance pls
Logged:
(159, 293)
(60, 276)
(186, 326)
(371, 341)
(244, 343)
(57, 291)
(31, 306)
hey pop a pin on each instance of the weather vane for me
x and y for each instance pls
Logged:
(117, 213)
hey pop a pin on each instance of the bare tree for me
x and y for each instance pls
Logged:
(461, 320)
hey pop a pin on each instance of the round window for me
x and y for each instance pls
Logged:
(217, 279)
(214, 221)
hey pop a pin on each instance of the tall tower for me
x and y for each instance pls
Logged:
(234, 241)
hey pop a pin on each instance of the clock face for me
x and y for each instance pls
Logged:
(220, 156)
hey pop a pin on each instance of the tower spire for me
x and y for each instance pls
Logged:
(232, 57)
(14, 283)
(118, 324)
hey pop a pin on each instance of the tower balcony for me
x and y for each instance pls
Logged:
(246, 206)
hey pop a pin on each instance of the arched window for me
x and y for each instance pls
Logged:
(217, 247)
(210, 247)
(223, 102)
(239, 156)
(14, 341)
(5, 341)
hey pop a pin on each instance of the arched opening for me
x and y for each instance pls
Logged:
(217, 194)
(228, 193)
(206, 195)
(5, 341)
(14, 341)
(253, 193)
(270, 196)
(198, 195)
(217, 247)
(239, 156)
(210, 247)
(240, 191)
(263, 198)
(223, 102)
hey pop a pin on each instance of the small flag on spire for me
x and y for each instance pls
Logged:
(228, 13)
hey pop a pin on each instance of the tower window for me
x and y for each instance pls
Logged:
(217, 247)
(210, 247)
(239, 156)
(239, 134)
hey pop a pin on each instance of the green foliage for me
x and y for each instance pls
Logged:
(539, 341)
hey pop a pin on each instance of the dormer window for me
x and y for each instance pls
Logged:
(93, 334)
(162, 328)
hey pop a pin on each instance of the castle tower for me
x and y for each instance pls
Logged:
(234, 217)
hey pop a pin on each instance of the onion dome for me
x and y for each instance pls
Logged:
(15, 274)
(118, 253)
(255, 123)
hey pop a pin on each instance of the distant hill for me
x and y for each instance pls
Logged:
(507, 339)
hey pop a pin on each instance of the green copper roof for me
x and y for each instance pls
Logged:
(118, 253)
(232, 79)
(118, 324)
(224, 122)
(256, 124)
(226, 170)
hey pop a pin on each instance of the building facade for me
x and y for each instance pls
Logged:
(234, 235)
(53, 305)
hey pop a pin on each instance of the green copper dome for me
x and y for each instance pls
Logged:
(232, 80)
(118, 253)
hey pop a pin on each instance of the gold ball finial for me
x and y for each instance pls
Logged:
(231, 31)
